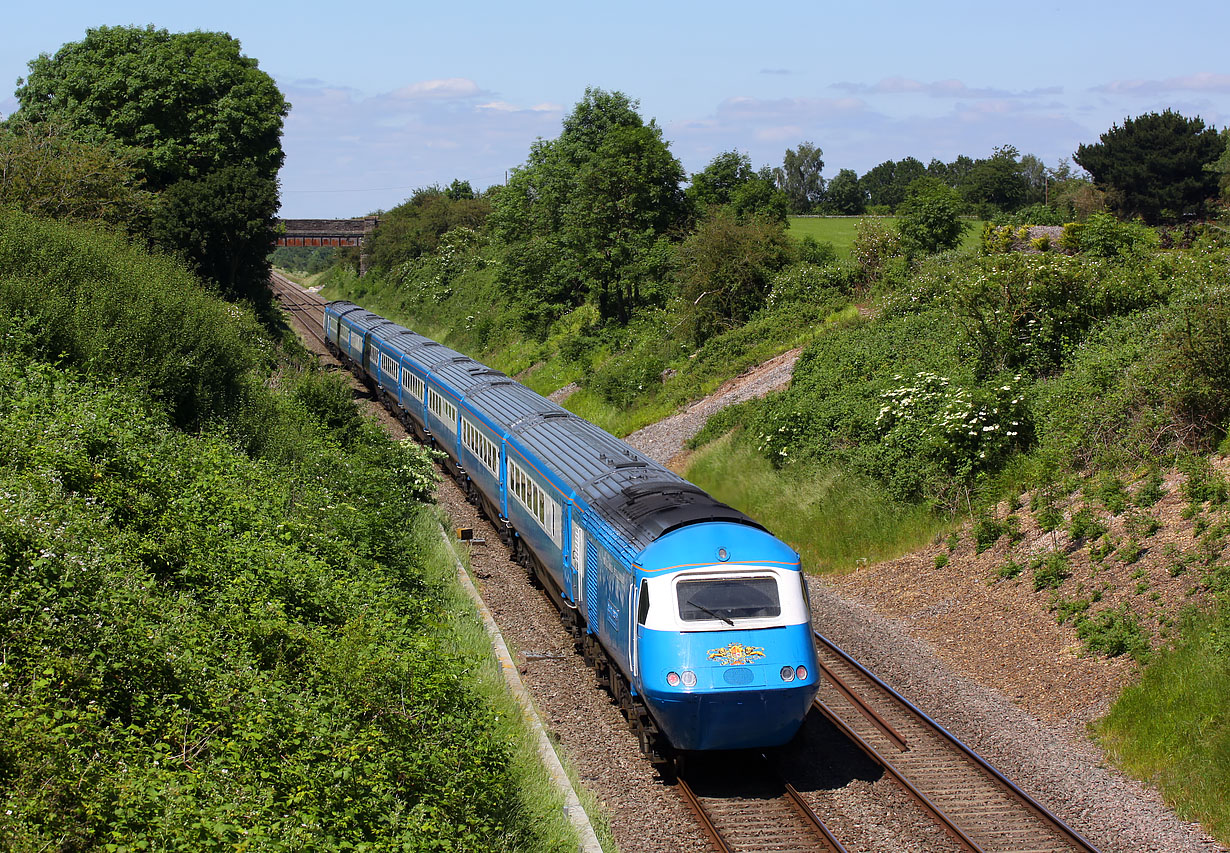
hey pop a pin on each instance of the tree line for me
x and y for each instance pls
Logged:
(605, 214)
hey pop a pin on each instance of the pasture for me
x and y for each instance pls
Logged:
(840, 230)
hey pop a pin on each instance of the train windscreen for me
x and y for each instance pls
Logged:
(728, 599)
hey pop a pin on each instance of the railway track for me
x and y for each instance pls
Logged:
(745, 805)
(305, 308)
(975, 804)
(754, 809)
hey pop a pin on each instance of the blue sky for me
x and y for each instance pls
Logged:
(392, 96)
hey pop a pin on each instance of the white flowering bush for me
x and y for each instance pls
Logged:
(963, 431)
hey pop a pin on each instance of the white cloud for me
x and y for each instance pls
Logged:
(1204, 81)
(348, 153)
(938, 89)
(450, 88)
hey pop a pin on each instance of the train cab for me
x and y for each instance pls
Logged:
(724, 655)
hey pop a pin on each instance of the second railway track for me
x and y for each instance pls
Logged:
(976, 805)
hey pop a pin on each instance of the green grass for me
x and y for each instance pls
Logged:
(1173, 728)
(840, 231)
(835, 520)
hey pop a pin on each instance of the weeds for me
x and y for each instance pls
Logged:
(1050, 571)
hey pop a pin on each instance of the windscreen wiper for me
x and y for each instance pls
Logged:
(725, 619)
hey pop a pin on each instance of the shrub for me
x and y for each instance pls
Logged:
(1085, 526)
(626, 377)
(1010, 569)
(817, 252)
(206, 651)
(1105, 236)
(875, 245)
(1050, 571)
(1203, 483)
(1114, 633)
(1067, 608)
(809, 283)
(957, 430)
(987, 532)
(1149, 492)
(113, 312)
(929, 217)
(1129, 552)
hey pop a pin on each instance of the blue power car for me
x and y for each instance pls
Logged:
(692, 614)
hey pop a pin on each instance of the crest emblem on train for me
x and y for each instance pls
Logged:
(736, 654)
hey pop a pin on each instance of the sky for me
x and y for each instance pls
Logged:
(388, 97)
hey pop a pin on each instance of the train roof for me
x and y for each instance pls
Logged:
(638, 497)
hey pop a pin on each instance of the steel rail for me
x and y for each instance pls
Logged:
(772, 803)
(972, 757)
(706, 822)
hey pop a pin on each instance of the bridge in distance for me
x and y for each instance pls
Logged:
(336, 233)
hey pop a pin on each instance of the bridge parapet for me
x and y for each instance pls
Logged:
(327, 232)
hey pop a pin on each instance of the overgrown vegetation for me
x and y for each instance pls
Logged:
(222, 601)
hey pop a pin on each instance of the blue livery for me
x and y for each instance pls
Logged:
(693, 615)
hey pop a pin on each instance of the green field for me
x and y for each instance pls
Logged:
(840, 230)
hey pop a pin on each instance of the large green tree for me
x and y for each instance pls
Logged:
(730, 180)
(1221, 167)
(845, 195)
(193, 115)
(415, 226)
(185, 104)
(583, 218)
(1154, 166)
(799, 177)
(886, 183)
(998, 182)
(222, 223)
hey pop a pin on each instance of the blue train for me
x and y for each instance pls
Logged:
(694, 617)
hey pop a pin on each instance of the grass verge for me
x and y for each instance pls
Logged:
(835, 520)
(1173, 728)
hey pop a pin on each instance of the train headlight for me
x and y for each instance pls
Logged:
(787, 673)
(672, 678)
(689, 678)
(801, 672)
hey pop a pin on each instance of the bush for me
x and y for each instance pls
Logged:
(626, 377)
(1050, 571)
(987, 532)
(1085, 526)
(875, 245)
(206, 651)
(1010, 569)
(113, 312)
(929, 218)
(1103, 235)
(1114, 633)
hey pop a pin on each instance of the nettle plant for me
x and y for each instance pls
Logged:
(965, 431)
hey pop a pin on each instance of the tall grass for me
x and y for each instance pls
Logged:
(1173, 728)
(834, 519)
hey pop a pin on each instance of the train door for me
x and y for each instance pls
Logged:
(591, 585)
(634, 647)
(577, 571)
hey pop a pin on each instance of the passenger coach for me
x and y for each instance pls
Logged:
(693, 615)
